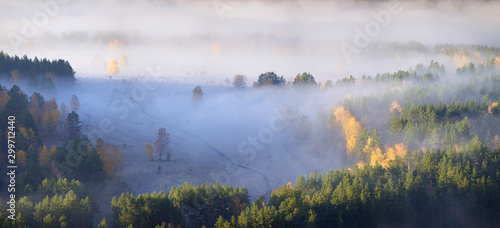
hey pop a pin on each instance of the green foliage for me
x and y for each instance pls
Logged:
(35, 69)
(203, 204)
(441, 188)
(304, 80)
(79, 160)
(270, 78)
(73, 125)
(147, 210)
(61, 207)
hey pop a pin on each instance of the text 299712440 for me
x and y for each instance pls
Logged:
(11, 167)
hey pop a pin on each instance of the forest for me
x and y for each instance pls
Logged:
(424, 164)
(239, 114)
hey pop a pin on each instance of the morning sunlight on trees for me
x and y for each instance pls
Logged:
(318, 114)
(350, 127)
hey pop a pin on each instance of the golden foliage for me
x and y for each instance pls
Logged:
(113, 67)
(150, 152)
(494, 104)
(497, 61)
(395, 105)
(122, 60)
(48, 117)
(350, 127)
(52, 149)
(361, 164)
(34, 109)
(110, 156)
(28, 134)
(377, 157)
(460, 59)
(496, 141)
(44, 156)
(4, 98)
(115, 44)
(376, 154)
(21, 158)
(350, 144)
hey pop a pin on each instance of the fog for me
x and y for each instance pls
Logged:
(209, 40)
(163, 49)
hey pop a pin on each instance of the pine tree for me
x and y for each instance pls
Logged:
(73, 125)
(110, 156)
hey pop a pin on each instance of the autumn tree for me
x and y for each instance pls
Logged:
(44, 156)
(4, 98)
(162, 142)
(150, 152)
(35, 107)
(73, 125)
(326, 85)
(197, 94)
(239, 81)
(303, 80)
(350, 127)
(110, 156)
(21, 158)
(74, 103)
(53, 114)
